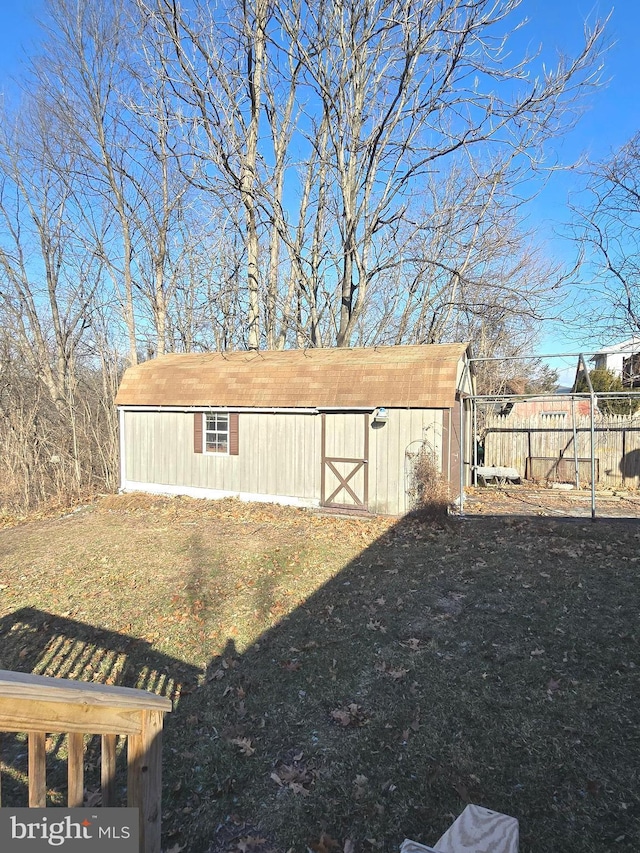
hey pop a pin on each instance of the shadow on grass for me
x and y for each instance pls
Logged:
(46, 644)
(492, 661)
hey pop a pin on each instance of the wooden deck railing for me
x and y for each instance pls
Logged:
(37, 705)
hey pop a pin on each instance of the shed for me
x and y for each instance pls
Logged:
(316, 427)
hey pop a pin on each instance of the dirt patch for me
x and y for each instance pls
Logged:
(346, 683)
(526, 500)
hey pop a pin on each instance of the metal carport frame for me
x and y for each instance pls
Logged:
(476, 399)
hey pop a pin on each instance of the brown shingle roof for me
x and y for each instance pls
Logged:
(400, 376)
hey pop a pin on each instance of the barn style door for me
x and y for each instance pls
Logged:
(345, 463)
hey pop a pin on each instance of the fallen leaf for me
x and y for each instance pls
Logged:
(325, 844)
(249, 842)
(397, 674)
(245, 745)
(553, 686)
(341, 716)
(351, 715)
(217, 675)
(297, 777)
(360, 787)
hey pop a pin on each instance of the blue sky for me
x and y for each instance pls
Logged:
(611, 115)
(610, 118)
(17, 32)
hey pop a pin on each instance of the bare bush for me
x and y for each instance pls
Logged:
(55, 455)
(428, 490)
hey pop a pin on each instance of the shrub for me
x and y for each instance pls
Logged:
(428, 490)
(606, 380)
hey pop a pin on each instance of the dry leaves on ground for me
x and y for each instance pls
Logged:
(350, 715)
(245, 745)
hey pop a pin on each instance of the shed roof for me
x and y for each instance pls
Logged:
(398, 376)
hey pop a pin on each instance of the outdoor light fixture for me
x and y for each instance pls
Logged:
(381, 415)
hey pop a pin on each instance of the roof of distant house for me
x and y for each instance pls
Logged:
(625, 346)
(424, 376)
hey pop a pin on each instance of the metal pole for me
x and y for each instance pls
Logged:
(592, 401)
(495, 398)
(475, 358)
(461, 455)
(449, 443)
(474, 450)
(593, 457)
(575, 441)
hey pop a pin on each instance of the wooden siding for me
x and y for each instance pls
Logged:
(389, 472)
(510, 440)
(280, 454)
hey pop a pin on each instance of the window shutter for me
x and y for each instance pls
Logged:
(197, 432)
(233, 434)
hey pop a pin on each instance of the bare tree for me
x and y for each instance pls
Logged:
(408, 86)
(607, 228)
(362, 100)
(114, 116)
(217, 73)
(77, 73)
(206, 269)
(48, 287)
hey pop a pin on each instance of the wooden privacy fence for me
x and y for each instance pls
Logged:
(547, 446)
(37, 706)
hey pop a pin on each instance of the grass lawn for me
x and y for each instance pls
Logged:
(342, 684)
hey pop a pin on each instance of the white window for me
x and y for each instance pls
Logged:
(216, 433)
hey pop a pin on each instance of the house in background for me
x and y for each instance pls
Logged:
(318, 427)
(622, 359)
